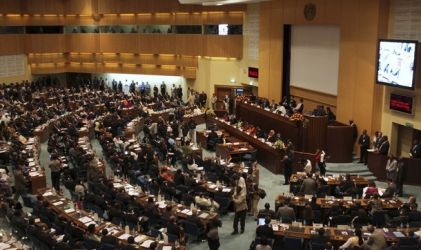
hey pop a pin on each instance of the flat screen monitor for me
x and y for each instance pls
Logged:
(223, 29)
(401, 103)
(396, 65)
(253, 72)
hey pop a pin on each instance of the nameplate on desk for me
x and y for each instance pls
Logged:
(70, 210)
(124, 236)
(58, 203)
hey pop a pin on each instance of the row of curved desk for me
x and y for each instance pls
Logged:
(268, 156)
(377, 165)
(336, 138)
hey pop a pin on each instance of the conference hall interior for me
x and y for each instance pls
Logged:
(210, 124)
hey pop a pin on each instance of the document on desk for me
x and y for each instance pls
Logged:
(140, 238)
(147, 243)
(85, 219)
(204, 215)
(68, 211)
(124, 236)
(58, 203)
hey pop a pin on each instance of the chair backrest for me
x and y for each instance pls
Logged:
(379, 219)
(317, 246)
(105, 246)
(292, 243)
(191, 228)
(414, 247)
(415, 224)
(91, 244)
(172, 238)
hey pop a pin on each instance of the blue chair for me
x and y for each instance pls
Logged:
(292, 243)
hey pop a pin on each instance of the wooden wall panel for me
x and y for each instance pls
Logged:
(127, 58)
(10, 7)
(189, 45)
(84, 43)
(223, 17)
(264, 49)
(42, 7)
(38, 58)
(44, 43)
(11, 45)
(223, 46)
(118, 43)
(313, 98)
(81, 7)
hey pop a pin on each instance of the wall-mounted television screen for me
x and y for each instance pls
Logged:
(401, 103)
(396, 65)
(253, 72)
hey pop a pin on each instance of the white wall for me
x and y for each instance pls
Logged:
(315, 57)
(126, 79)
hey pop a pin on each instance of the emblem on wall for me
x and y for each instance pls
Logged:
(310, 11)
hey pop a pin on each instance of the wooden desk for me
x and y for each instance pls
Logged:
(301, 201)
(316, 134)
(269, 157)
(234, 150)
(336, 235)
(377, 165)
(339, 143)
(62, 207)
(332, 181)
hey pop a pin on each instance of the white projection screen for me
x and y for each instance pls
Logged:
(315, 57)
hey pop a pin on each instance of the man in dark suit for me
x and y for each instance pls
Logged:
(266, 212)
(309, 186)
(108, 239)
(287, 161)
(384, 146)
(285, 212)
(364, 143)
(416, 149)
(265, 230)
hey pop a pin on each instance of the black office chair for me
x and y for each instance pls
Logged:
(292, 243)
(192, 230)
(91, 244)
(379, 219)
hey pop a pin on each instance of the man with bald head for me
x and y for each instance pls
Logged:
(376, 241)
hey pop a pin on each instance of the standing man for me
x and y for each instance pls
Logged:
(364, 143)
(213, 101)
(55, 167)
(287, 161)
(240, 207)
(400, 176)
(20, 184)
(416, 149)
